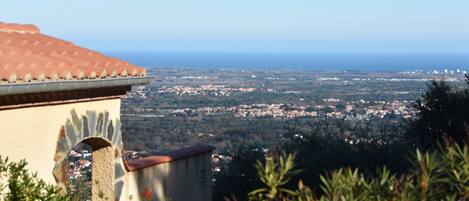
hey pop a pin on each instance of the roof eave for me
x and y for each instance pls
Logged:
(67, 85)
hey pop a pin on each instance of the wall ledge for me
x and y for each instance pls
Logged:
(170, 157)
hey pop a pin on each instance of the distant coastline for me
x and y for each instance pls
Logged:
(309, 62)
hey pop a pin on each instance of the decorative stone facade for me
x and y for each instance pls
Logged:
(103, 134)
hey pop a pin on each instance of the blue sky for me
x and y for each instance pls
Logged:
(326, 26)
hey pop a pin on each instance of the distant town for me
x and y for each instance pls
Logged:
(195, 106)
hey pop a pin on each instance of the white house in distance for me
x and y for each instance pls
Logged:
(54, 95)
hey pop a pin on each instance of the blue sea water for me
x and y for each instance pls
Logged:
(312, 62)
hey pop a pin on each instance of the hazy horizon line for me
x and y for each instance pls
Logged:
(286, 53)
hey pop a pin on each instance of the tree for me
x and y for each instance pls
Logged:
(238, 176)
(443, 116)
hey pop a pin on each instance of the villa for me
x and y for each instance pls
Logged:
(55, 95)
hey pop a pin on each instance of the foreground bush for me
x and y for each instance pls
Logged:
(16, 183)
(434, 176)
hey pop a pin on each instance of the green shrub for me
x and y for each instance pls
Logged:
(16, 183)
(274, 175)
(435, 176)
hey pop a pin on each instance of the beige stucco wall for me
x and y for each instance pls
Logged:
(181, 180)
(31, 133)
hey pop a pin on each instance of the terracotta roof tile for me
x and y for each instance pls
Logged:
(26, 55)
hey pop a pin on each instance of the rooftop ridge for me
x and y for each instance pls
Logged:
(19, 28)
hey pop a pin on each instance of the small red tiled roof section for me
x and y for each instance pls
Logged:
(172, 156)
(27, 55)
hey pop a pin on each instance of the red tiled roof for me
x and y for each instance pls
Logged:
(26, 55)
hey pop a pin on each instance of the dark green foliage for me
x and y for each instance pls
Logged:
(239, 176)
(317, 154)
(340, 107)
(443, 116)
(327, 146)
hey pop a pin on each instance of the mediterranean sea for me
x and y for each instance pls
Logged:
(309, 62)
